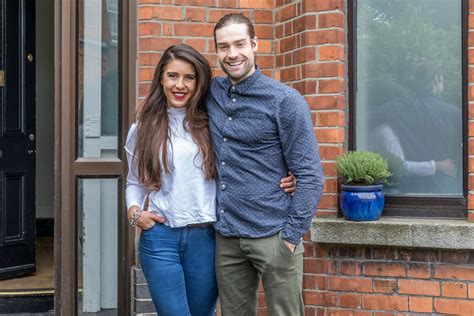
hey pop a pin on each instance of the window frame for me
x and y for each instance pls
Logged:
(438, 206)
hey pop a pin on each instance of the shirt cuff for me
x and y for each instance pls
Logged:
(291, 236)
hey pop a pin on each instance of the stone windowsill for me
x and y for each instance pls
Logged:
(396, 232)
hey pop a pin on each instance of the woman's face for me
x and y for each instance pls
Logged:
(179, 83)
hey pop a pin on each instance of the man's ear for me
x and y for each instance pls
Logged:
(254, 43)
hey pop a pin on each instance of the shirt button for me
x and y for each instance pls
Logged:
(233, 88)
(222, 211)
(230, 118)
(223, 186)
(233, 100)
(223, 163)
(225, 139)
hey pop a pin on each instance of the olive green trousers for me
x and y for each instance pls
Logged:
(241, 262)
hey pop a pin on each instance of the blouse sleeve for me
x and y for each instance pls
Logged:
(135, 193)
(391, 144)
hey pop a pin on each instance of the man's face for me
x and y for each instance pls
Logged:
(236, 51)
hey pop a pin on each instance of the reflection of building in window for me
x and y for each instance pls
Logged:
(98, 76)
(408, 92)
(113, 13)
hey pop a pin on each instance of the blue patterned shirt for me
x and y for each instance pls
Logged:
(260, 129)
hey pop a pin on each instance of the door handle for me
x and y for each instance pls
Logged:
(1, 153)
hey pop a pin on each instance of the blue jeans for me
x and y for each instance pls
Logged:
(178, 264)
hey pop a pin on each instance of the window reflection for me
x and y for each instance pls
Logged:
(409, 92)
(98, 77)
(97, 246)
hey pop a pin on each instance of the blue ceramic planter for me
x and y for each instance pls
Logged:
(362, 203)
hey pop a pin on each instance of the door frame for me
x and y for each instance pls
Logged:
(68, 168)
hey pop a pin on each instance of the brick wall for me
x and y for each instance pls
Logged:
(387, 281)
(309, 49)
(303, 43)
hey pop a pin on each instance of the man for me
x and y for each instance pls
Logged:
(260, 129)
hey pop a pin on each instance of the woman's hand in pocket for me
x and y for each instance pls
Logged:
(148, 220)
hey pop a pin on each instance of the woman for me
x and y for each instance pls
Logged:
(171, 161)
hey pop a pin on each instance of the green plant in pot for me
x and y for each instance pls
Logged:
(364, 174)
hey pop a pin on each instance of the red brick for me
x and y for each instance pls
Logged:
(327, 201)
(265, 46)
(384, 302)
(330, 152)
(323, 37)
(419, 270)
(319, 298)
(349, 300)
(157, 43)
(263, 16)
(330, 86)
(342, 312)
(309, 281)
(454, 289)
(304, 55)
(454, 272)
(160, 12)
(350, 267)
(143, 89)
(384, 254)
(257, 4)
(149, 59)
(385, 269)
(264, 31)
(330, 52)
(322, 5)
(327, 213)
(349, 284)
(330, 135)
(320, 70)
(331, 20)
(419, 287)
(195, 14)
(471, 146)
(453, 306)
(288, 44)
(193, 29)
(197, 43)
(288, 74)
(227, 4)
(288, 12)
(146, 74)
(470, 94)
(149, 29)
(195, 2)
(215, 15)
(324, 103)
(385, 285)
(420, 304)
(304, 23)
(330, 119)
(319, 266)
(471, 291)
(329, 169)
(330, 185)
(167, 29)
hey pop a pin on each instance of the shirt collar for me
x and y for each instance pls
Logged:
(243, 85)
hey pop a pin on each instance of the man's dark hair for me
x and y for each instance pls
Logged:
(234, 18)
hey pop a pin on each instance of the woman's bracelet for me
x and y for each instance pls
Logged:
(135, 217)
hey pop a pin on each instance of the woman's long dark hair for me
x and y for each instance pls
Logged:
(153, 137)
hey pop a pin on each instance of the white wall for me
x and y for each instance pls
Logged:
(44, 108)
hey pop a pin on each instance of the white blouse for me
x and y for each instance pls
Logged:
(388, 142)
(186, 197)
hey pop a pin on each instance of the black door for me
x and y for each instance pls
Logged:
(17, 137)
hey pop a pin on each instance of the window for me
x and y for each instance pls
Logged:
(407, 97)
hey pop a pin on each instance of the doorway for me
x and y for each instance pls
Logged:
(26, 155)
